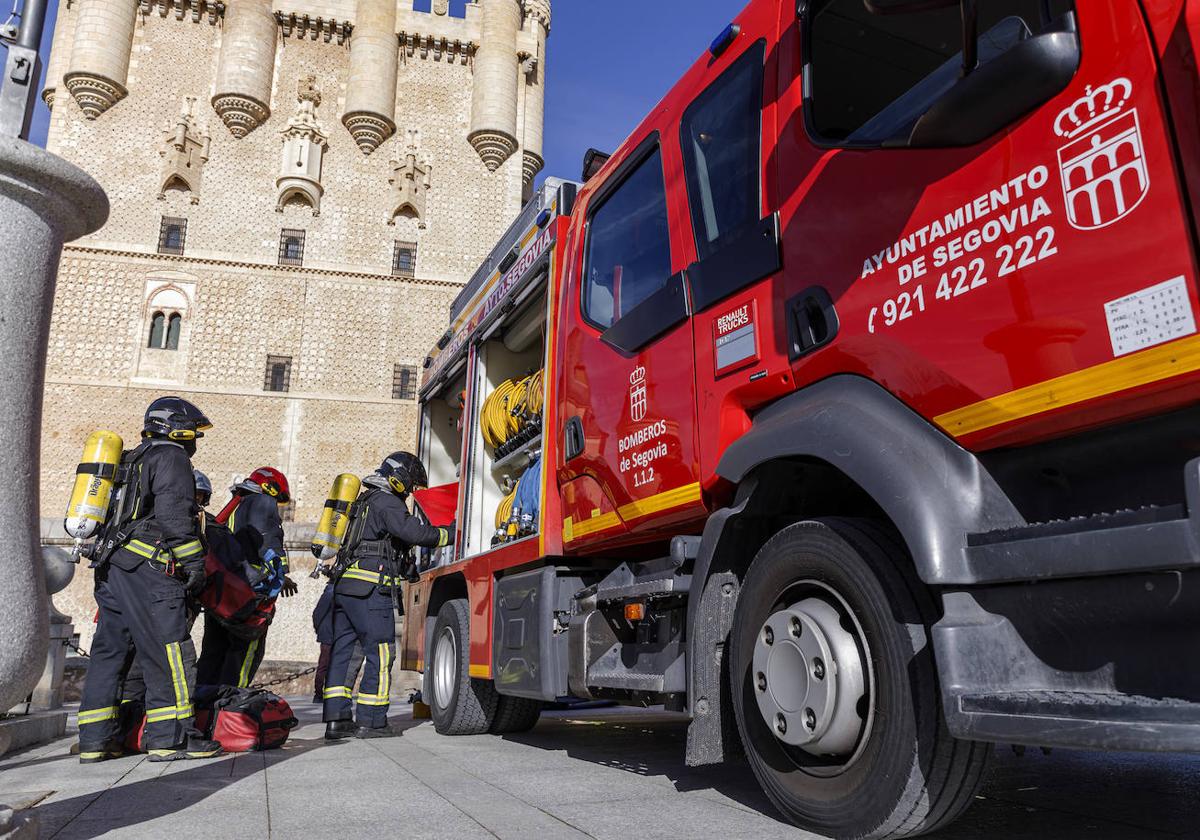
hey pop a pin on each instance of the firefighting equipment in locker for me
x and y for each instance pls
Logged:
(94, 480)
(335, 517)
(517, 513)
(512, 413)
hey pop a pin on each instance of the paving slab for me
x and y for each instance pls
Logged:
(592, 773)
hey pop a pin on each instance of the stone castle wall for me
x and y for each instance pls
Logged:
(342, 317)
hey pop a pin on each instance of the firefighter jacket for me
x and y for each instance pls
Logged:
(388, 530)
(157, 516)
(258, 527)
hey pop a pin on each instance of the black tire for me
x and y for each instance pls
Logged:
(515, 714)
(907, 775)
(469, 704)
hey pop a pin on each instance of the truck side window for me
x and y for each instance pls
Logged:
(722, 142)
(872, 76)
(628, 249)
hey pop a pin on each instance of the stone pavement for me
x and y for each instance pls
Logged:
(600, 773)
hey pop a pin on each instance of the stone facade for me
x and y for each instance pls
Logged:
(343, 317)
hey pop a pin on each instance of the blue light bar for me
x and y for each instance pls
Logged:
(543, 218)
(722, 41)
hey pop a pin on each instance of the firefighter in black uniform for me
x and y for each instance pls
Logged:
(148, 560)
(366, 581)
(254, 520)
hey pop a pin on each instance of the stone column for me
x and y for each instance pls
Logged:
(60, 53)
(246, 67)
(370, 114)
(493, 130)
(537, 14)
(44, 201)
(99, 66)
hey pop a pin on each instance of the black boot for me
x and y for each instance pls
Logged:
(336, 730)
(193, 748)
(374, 732)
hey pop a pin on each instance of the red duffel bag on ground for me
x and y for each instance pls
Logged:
(245, 719)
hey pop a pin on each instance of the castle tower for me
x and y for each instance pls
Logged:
(493, 130)
(99, 66)
(246, 67)
(60, 53)
(537, 15)
(370, 114)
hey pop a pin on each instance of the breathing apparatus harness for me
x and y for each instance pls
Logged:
(356, 548)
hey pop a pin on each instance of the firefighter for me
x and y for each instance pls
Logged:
(323, 625)
(147, 561)
(252, 516)
(366, 586)
(203, 490)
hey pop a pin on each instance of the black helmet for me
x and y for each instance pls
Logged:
(176, 419)
(403, 472)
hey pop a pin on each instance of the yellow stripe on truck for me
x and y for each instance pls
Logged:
(1143, 368)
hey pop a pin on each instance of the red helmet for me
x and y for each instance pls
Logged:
(272, 481)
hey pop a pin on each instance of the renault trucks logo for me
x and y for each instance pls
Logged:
(1103, 167)
(637, 395)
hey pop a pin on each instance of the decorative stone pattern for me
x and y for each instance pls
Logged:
(342, 317)
(304, 142)
(371, 88)
(184, 152)
(246, 66)
(100, 54)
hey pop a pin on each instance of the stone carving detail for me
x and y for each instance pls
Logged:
(304, 143)
(539, 10)
(368, 130)
(240, 113)
(410, 182)
(184, 152)
(94, 94)
(493, 147)
(441, 7)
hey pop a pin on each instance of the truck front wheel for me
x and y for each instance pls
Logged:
(460, 705)
(835, 689)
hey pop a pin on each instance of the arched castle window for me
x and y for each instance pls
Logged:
(164, 331)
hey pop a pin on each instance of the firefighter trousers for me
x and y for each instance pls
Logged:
(226, 659)
(143, 613)
(368, 621)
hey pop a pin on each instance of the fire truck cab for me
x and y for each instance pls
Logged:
(851, 408)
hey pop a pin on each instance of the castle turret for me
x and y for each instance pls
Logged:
(370, 114)
(99, 66)
(247, 66)
(60, 53)
(537, 16)
(493, 130)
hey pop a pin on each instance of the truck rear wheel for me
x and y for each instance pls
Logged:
(835, 689)
(459, 704)
(516, 714)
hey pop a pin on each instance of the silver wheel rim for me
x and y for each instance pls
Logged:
(445, 667)
(812, 676)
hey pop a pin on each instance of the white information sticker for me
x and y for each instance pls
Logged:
(1151, 316)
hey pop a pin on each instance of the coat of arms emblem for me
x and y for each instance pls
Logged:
(1103, 166)
(637, 394)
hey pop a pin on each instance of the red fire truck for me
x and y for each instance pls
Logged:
(852, 408)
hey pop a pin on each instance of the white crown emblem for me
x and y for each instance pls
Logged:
(1095, 105)
(638, 376)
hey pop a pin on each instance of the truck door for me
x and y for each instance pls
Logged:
(998, 220)
(626, 381)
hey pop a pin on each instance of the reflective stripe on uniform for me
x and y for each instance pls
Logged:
(355, 573)
(142, 549)
(188, 549)
(385, 669)
(247, 664)
(335, 691)
(443, 538)
(97, 715)
(373, 699)
(178, 677)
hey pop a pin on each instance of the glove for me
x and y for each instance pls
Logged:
(448, 530)
(194, 579)
(289, 587)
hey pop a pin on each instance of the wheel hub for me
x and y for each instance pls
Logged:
(445, 667)
(808, 677)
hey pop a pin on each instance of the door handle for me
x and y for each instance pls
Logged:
(812, 321)
(573, 439)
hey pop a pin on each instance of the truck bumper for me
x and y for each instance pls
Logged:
(1081, 633)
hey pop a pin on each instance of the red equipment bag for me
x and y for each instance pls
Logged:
(245, 719)
(227, 595)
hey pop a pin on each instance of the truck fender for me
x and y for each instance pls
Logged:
(933, 491)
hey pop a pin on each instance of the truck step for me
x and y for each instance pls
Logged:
(1095, 706)
(1146, 539)
(660, 578)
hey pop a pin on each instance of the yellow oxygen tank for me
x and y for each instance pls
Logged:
(335, 517)
(94, 480)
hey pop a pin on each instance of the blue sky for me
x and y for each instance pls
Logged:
(610, 61)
